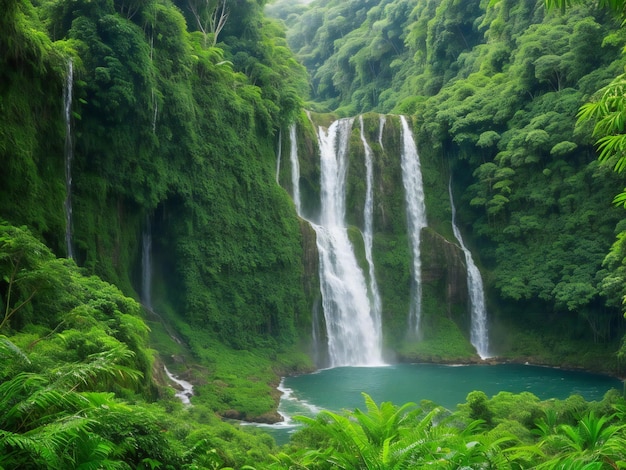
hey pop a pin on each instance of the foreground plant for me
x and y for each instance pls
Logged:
(47, 422)
(592, 443)
(391, 437)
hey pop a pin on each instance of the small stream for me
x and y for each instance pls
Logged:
(186, 389)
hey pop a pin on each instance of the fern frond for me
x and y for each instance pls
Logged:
(8, 349)
(99, 367)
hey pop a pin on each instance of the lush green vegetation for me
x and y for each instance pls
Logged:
(177, 110)
(78, 387)
(149, 97)
(504, 432)
(78, 381)
(173, 126)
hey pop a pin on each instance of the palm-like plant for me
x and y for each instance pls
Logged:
(390, 437)
(360, 439)
(593, 442)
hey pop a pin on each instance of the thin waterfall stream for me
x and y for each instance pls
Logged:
(295, 169)
(68, 92)
(368, 229)
(381, 126)
(479, 336)
(279, 152)
(184, 389)
(416, 220)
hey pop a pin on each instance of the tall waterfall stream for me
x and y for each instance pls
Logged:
(368, 230)
(478, 332)
(353, 326)
(68, 92)
(416, 219)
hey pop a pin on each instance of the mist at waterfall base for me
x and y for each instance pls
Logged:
(341, 388)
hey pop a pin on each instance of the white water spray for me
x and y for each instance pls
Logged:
(295, 168)
(479, 336)
(353, 331)
(368, 229)
(69, 155)
(416, 219)
(186, 389)
(381, 126)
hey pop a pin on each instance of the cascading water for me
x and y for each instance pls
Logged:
(295, 168)
(146, 265)
(295, 184)
(352, 325)
(368, 228)
(185, 391)
(69, 155)
(478, 333)
(416, 219)
(381, 126)
(279, 153)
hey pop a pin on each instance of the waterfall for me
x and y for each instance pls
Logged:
(478, 333)
(416, 219)
(279, 153)
(295, 168)
(69, 154)
(146, 266)
(368, 229)
(353, 333)
(381, 126)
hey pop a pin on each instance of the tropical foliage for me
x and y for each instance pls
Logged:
(482, 433)
(78, 381)
(177, 108)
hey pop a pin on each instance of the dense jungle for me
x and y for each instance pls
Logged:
(136, 127)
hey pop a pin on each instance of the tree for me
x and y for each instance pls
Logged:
(27, 268)
(609, 114)
(211, 17)
(608, 111)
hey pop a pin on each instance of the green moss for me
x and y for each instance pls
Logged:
(442, 342)
(240, 384)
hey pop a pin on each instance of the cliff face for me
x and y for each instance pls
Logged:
(445, 302)
(167, 130)
(444, 268)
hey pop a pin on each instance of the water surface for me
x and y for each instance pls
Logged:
(341, 388)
